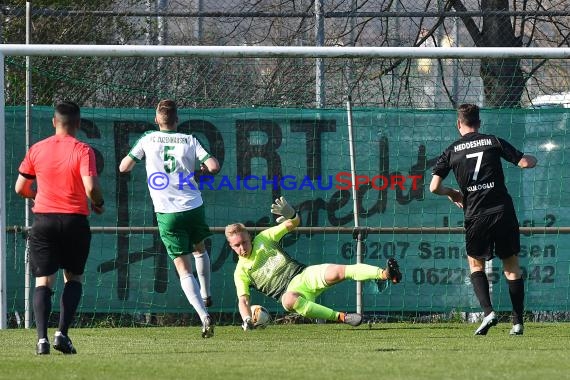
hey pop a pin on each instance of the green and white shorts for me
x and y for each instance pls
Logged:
(179, 231)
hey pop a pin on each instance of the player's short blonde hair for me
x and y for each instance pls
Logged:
(167, 112)
(235, 229)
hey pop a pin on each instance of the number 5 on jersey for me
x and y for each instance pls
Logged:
(169, 159)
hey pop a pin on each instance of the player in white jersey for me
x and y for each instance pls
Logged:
(170, 160)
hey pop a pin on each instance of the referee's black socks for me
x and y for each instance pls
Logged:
(68, 304)
(42, 309)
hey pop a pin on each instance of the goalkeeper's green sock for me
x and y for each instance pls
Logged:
(362, 272)
(311, 309)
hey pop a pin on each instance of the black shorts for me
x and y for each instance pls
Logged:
(496, 234)
(59, 241)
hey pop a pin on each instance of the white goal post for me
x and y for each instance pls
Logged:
(228, 52)
(280, 51)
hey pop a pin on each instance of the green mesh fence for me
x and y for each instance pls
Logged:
(285, 116)
(215, 82)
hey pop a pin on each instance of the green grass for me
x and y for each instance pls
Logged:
(311, 351)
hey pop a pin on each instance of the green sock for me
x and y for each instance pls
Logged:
(314, 310)
(362, 272)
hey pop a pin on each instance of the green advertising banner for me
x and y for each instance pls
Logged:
(304, 155)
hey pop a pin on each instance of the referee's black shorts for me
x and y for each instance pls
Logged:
(493, 235)
(59, 241)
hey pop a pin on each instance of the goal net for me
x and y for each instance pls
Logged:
(258, 117)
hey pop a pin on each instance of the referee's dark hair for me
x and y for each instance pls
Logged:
(468, 114)
(68, 113)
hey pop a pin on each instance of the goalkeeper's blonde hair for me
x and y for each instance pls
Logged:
(235, 229)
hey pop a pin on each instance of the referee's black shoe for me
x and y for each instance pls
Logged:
(42, 348)
(63, 344)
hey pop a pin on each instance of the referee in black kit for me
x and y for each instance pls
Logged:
(491, 225)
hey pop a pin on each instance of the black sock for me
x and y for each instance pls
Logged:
(516, 291)
(481, 287)
(68, 304)
(42, 309)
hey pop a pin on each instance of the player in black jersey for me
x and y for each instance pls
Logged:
(491, 225)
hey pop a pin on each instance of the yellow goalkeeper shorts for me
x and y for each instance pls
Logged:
(310, 282)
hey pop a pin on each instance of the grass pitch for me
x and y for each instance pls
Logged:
(310, 351)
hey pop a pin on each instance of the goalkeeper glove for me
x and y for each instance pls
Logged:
(283, 208)
(247, 324)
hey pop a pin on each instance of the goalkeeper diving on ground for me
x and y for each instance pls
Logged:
(264, 266)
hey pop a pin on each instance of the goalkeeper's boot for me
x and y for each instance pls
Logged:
(207, 327)
(517, 329)
(207, 301)
(392, 273)
(63, 344)
(353, 319)
(488, 322)
(42, 348)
